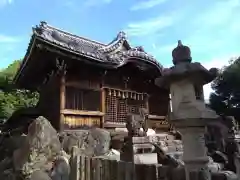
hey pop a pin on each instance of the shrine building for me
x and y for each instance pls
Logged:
(82, 82)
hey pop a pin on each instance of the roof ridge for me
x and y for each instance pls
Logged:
(118, 41)
(68, 33)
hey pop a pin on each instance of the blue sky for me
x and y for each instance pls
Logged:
(210, 28)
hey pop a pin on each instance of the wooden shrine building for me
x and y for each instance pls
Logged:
(86, 83)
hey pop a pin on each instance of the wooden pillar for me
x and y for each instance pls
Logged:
(103, 106)
(62, 101)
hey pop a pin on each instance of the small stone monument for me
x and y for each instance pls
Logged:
(189, 114)
(134, 123)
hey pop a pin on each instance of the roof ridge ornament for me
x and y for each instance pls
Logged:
(116, 43)
(43, 24)
(121, 35)
(40, 28)
(180, 43)
(138, 48)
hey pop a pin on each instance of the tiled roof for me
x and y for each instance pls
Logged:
(96, 50)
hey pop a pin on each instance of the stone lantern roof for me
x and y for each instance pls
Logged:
(184, 68)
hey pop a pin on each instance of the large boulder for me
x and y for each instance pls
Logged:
(41, 147)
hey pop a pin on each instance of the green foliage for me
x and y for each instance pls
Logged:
(226, 98)
(11, 98)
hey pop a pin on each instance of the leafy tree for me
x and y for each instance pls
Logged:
(226, 97)
(11, 98)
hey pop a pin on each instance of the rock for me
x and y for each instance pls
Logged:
(39, 175)
(10, 144)
(41, 147)
(7, 163)
(76, 138)
(101, 141)
(93, 142)
(112, 154)
(9, 175)
(224, 175)
(61, 169)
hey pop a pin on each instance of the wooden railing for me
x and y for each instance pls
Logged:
(86, 168)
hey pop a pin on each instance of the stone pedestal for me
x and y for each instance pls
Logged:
(131, 147)
(194, 153)
(194, 150)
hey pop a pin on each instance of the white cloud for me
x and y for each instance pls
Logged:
(149, 26)
(214, 31)
(144, 4)
(8, 39)
(5, 2)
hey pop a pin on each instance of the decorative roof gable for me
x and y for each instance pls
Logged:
(117, 52)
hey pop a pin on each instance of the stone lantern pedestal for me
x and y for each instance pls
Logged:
(189, 114)
(194, 150)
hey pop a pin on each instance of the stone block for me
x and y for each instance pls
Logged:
(140, 140)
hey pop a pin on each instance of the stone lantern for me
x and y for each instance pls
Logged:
(189, 114)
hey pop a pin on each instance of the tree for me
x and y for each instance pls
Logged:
(226, 97)
(11, 98)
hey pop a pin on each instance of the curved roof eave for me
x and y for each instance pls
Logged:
(108, 63)
(139, 60)
(103, 55)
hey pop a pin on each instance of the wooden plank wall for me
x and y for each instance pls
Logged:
(74, 120)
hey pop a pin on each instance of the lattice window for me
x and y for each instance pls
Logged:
(111, 108)
(119, 103)
(121, 110)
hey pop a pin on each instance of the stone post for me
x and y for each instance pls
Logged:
(194, 153)
(189, 114)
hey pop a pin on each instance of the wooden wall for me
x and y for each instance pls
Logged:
(158, 99)
(83, 78)
(82, 106)
(80, 121)
(49, 102)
